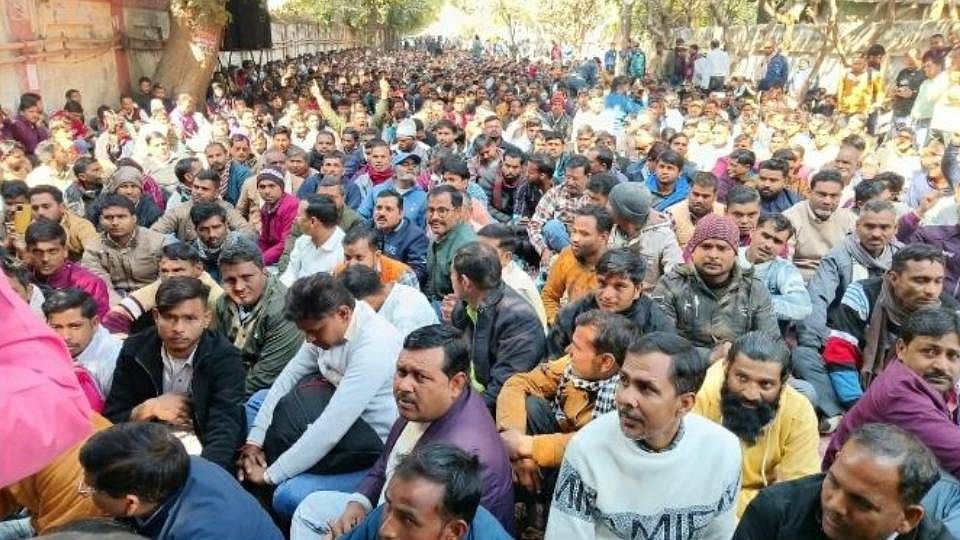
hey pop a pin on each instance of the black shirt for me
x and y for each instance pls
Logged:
(911, 78)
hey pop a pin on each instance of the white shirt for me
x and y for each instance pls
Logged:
(100, 358)
(307, 259)
(177, 373)
(408, 439)
(407, 309)
(718, 62)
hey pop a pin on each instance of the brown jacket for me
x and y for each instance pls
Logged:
(178, 222)
(80, 233)
(544, 382)
(128, 267)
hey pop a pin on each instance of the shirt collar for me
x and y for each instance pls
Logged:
(167, 358)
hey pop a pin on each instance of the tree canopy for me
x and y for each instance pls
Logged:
(397, 16)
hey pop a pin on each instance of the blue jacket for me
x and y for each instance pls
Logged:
(779, 204)
(622, 106)
(211, 504)
(407, 243)
(680, 190)
(414, 203)
(777, 71)
(238, 173)
(308, 187)
(352, 163)
(483, 527)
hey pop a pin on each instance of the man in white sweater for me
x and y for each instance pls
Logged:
(651, 469)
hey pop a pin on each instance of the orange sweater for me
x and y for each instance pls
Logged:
(567, 279)
(51, 494)
(390, 269)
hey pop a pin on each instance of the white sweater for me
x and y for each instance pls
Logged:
(610, 488)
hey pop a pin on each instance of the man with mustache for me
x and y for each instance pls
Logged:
(619, 471)
(820, 223)
(864, 328)
(406, 168)
(436, 404)
(748, 394)
(573, 274)
(701, 200)
(872, 492)
(791, 301)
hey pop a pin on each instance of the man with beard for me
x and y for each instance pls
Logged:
(204, 189)
(772, 177)
(620, 469)
(81, 194)
(484, 166)
(819, 222)
(231, 173)
(701, 200)
(864, 328)
(791, 301)
(872, 492)
(406, 168)
(573, 273)
(503, 193)
(748, 394)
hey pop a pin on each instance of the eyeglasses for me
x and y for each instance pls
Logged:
(84, 490)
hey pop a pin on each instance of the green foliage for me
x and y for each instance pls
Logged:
(400, 16)
(201, 12)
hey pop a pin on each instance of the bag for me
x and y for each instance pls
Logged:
(359, 448)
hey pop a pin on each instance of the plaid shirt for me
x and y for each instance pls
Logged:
(556, 203)
(604, 393)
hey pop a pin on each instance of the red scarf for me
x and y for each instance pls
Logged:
(379, 177)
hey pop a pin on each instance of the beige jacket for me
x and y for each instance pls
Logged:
(178, 222)
(815, 237)
(128, 267)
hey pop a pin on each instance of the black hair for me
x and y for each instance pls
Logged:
(115, 200)
(779, 221)
(315, 297)
(330, 181)
(93, 529)
(600, 215)
(184, 167)
(456, 197)
(933, 322)
(363, 233)
(179, 289)
(181, 251)
(480, 263)
(281, 130)
(53, 191)
(29, 99)
(544, 164)
(743, 156)
(671, 157)
(362, 281)
(706, 179)
(761, 346)
(203, 211)
(826, 175)
(602, 183)
(323, 209)
(624, 262)
(139, 458)
(742, 195)
(918, 467)
(456, 353)
(604, 156)
(893, 180)
(81, 165)
(918, 253)
(449, 466)
(656, 150)
(456, 165)
(687, 366)
(209, 175)
(614, 332)
(44, 230)
(550, 135)
(504, 235)
(775, 164)
(14, 189)
(239, 252)
(515, 153)
(868, 190)
(783, 154)
(578, 162)
(61, 300)
(391, 194)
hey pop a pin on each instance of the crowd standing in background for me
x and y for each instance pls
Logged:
(445, 293)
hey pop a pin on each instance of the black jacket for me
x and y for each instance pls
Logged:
(791, 511)
(645, 313)
(507, 338)
(217, 390)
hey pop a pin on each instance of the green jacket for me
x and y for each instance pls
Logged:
(267, 341)
(440, 255)
(707, 316)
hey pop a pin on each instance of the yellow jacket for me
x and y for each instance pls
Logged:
(80, 233)
(786, 449)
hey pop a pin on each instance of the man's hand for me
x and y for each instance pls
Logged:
(720, 351)
(173, 409)
(315, 90)
(447, 306)
(517, 444)
(384, 88)
(348, 520)
(251, 464)
(526, 472)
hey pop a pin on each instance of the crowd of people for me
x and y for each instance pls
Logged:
(440, 293)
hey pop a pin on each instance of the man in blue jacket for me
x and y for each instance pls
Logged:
(141, 474)
(399, 238)
(778, 69)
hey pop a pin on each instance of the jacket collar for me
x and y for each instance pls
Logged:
(131, 242)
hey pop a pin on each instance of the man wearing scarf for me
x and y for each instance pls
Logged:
(538, 412)
(864, 328)
(867, 252)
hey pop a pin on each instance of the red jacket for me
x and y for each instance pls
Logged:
(275, 226)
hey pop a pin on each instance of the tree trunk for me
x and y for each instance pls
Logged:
(623, 37)
(189, 58)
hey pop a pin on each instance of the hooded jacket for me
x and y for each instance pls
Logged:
(657, 243)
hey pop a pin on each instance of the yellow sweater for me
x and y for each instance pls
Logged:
(786, 449)
(567, 281)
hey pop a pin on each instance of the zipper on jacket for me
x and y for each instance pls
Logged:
(150, 375)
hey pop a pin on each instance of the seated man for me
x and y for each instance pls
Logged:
(355, 350)
(210, 222)
(538, 412)
(361, 246)
(791, 300)
(775, 196)
(452, 484)
(140, 472)
(864, 329)
(251, 315)
(448, 224)
(72, 314)
(820, 223)
(504, 333)
(46, 243)
(644, 230)
(333, 188)
(46, 202)
(405, 307)
(711, 300)
(400, 239)
(182, 374)
(320, 247)
(618, 470)
(503, 239)
(125, 255)
(573, 274)
(549, 227)
(620, 275)
(743, 205)
(873, 490)
(205, 189)
(701, 200)
(406, 168)
(178, 259)
(748, 394)
(436, 405)
(277, 214)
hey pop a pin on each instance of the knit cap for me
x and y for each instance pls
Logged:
(121, 176)
(714, 227)
(631, 201)
(407, 128)
(268, 174)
